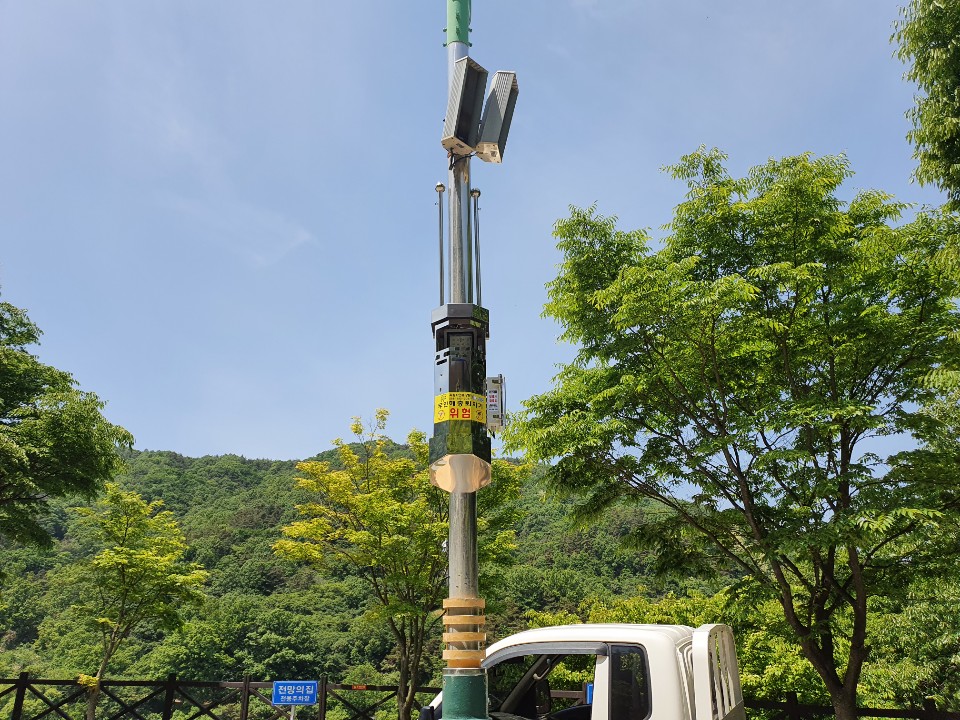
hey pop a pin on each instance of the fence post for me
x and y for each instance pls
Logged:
(323, 698)
(930, 708)
(793, 707)
(245, 698)
(171, 685)
(22, 683)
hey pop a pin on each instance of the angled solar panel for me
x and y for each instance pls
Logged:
(497, 116)
(461, 126)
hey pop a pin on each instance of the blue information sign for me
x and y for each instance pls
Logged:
(295, 692)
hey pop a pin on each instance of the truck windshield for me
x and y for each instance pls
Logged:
(532, 686)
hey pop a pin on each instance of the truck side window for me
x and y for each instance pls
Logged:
(629, 683)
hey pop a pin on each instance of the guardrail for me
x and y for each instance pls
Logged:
(793, 709)
(39, 699)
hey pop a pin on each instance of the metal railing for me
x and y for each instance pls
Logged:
(34, 699)
(29, 698)
(793, 709)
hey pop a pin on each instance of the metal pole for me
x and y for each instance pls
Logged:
(462, 547)
(464, 682)
(458, 47)
(463, 505)
(461, 285)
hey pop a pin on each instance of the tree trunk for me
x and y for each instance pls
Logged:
(818, 642)
(404, 696)
(845, 703)
(93, 694)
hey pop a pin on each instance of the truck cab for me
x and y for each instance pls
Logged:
(613, 672)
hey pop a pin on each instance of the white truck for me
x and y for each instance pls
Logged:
(613, 672)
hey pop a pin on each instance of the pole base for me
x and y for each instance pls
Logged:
(465, 695)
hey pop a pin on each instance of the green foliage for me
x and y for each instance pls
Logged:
(54, 441)
(731, 388)
(137, 576)
(380, 516)
(927, 37)
(270, 617)
(916, 646)
(559, 564)
(267, 617)
(20, 609)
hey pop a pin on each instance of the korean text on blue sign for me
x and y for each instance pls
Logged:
(295, 692)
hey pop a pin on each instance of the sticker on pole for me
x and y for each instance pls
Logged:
(294, 692)
(460, 406)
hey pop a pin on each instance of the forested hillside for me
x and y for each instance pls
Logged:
(273, 618)
(264, 615)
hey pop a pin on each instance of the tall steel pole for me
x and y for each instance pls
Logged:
(460, 446)
(458, 47)
(462, 546)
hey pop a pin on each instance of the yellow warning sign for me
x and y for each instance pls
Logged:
(460, 406)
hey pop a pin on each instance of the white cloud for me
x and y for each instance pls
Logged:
(258, 236)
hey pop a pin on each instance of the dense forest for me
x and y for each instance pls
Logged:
(263, 615)
(274, 618)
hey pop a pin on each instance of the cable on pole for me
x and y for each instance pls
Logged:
(440, 189)
(475, 194)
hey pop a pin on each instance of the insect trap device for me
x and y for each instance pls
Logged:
(465, 130)
(461, 126)
(497, 116)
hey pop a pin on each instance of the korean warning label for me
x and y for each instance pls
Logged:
(460, 406)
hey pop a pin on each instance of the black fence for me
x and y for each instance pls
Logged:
(793, 709)
(27, 698)
(175, 699)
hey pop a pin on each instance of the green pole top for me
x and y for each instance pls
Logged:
(458, 21)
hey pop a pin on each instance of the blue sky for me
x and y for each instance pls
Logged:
(222, 214)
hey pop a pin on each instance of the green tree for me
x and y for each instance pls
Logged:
(915, 638)
(768, 660)
(927, 35)
(137, 578)
(54, 441)
(915, 646)
(745, 378)
(379, 515)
